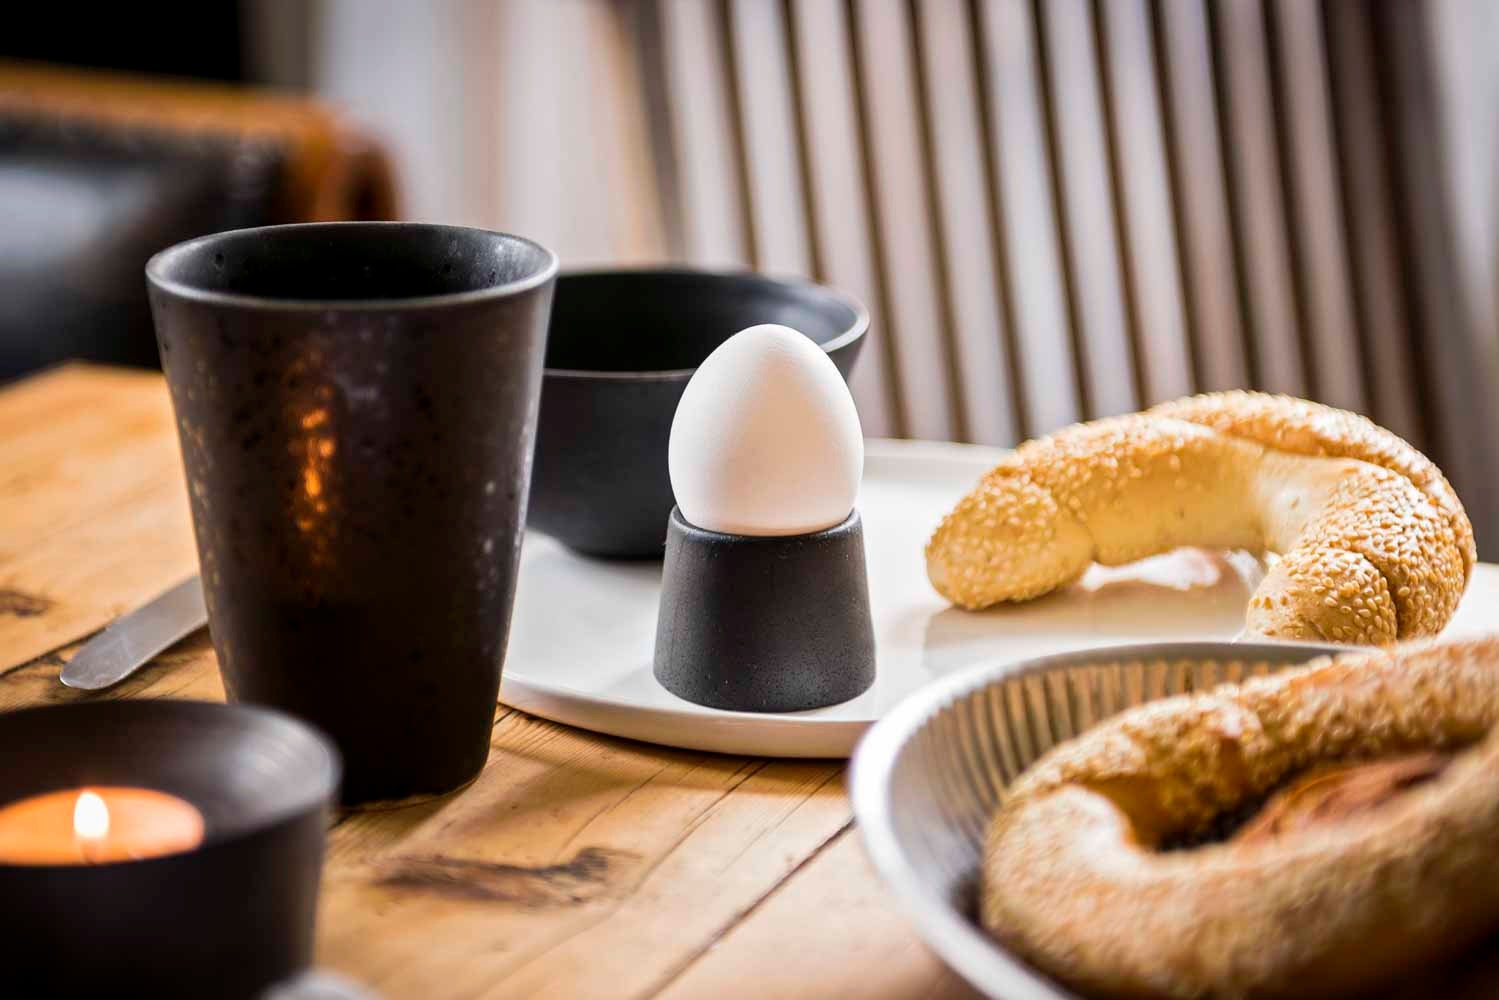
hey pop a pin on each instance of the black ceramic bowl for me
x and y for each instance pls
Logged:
(226, 919)
(621, 347)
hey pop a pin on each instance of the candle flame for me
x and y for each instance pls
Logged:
(90, 816)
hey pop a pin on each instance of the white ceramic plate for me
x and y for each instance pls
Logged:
(580, 645)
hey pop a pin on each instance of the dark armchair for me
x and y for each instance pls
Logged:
(98, 172)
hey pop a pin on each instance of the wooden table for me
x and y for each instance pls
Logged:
(577, 865)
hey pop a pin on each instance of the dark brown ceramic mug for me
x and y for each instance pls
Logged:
(356, 404)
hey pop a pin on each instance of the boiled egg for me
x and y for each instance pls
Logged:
(766, 439)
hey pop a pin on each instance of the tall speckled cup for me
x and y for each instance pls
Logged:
(356, 404)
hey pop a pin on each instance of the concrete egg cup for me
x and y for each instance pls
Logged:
(765, 624)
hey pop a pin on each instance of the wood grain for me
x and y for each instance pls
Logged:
(187, 670)
(95, 508)
(839, 909)
(576, 865)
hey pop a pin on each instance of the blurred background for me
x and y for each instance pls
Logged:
(1054, 209)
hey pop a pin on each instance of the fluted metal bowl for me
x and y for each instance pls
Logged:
(929, 776)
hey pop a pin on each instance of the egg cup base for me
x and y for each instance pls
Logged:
(765, 624)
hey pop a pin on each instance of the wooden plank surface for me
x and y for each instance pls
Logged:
(577, 865)
(851, 915)
(95, 512)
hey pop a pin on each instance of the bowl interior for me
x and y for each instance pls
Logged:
(244, 768)
(929, 777)
(669, 321)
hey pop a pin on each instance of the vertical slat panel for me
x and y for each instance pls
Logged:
(1031, 253)
(773, 175)
(586, 186)
(1383, 313)
(838, 191)
(957, 163)
(1139, 145)
(638, 184)
(708, 170)
(1316, 206)
(1464, 38)
(646, 18)
(1259, 206)
(1458, 382)
(1201, 197)
(1092, 245)
(889, 89)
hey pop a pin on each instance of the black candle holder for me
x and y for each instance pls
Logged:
(229, 918)
(765, 624)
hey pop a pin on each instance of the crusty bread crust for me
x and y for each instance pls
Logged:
(1375, 545)
(1072, 881)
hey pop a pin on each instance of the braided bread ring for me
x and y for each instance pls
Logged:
(1070, 879)
(1375, 545)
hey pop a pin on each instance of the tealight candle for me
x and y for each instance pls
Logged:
(79, 826)
(225, 806)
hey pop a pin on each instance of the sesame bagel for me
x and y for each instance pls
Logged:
(1376, 853)
(1374, 545)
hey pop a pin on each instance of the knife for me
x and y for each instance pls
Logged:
(129, 643)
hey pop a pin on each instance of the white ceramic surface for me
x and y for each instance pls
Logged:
(583, 631)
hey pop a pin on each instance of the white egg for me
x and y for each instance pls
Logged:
(766, 439)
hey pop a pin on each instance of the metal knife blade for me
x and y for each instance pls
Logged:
(128, 643)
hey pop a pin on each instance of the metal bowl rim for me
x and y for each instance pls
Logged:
(959, 942)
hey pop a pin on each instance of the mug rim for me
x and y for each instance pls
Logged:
(157, 266)
(858, 328)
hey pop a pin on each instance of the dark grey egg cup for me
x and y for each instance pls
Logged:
(226, 919)
(765, 624)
